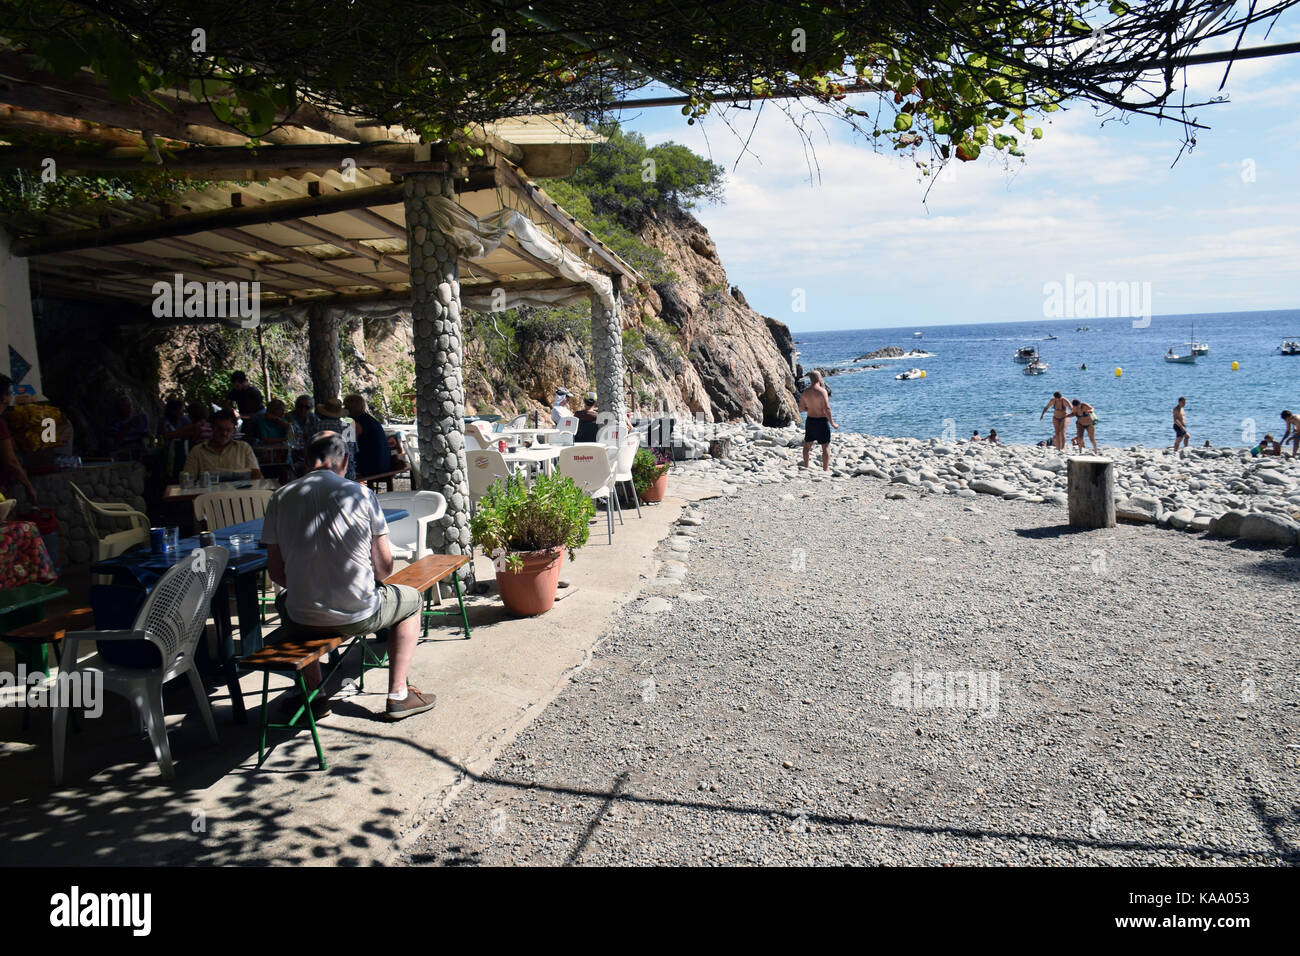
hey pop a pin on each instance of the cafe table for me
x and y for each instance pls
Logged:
(142, 568)
(177, 493)
(543, 455)
(536, 434)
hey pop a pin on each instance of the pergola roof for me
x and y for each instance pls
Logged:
(316, 212)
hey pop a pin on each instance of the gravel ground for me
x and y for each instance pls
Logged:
(759, 708)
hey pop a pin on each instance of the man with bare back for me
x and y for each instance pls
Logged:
(816, 403)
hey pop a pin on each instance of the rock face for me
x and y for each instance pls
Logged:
(742, 362)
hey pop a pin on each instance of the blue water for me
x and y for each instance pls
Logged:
(973, 381)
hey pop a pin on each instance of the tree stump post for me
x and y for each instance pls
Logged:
(1091, 492)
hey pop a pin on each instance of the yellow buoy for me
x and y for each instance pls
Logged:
(1118, 372)
(922, 373)
(1234, 366)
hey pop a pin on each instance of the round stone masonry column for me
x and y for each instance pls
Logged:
(607, 357)
(439, 380)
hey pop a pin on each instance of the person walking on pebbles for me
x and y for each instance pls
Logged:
(1086, 421)
(815, 400)
(1292, 433)
(1060, 412)
(1180, 425)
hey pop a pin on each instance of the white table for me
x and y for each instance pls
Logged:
(251, 484)
(537, 434)
(543, 455)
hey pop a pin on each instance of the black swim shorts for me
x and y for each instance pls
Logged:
(817, 430)
(1179, 431)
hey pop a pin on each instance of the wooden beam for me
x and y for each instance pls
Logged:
(395, 229)
(349, 245)
(125, 264)
(531, 194)
(203, 252)
(356, 278)
(511, 243)
(195, 222)
(213, 160)
(52, 124)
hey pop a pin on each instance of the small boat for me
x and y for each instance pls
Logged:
(1082, 328)
(910, 374)
(1290, 346)
(1188, 359)
(1036, 367)
(1026, 354)
(916, 335)
(1049, 338)
(1198, 348)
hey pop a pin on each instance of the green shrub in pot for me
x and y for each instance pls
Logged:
(516, 518)
(647, 468)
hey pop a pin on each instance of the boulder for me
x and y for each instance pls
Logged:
(1139, 508)
(992, 486)
(1182, 518)
(1227, 525)
(1269, 529)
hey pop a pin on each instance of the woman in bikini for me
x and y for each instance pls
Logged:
(1060, 412)
(1082, 413)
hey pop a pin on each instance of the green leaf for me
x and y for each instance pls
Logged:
(1036, 132)
(903, 122)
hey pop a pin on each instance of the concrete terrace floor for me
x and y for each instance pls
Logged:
(385, 780)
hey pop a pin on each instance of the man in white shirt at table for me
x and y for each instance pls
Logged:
(327, 544)
(560, 409)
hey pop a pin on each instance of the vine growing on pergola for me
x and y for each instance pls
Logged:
(962, 75)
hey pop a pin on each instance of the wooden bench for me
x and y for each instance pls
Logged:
(50, 631)
(424, 575)
(291, 656)
(384, 477)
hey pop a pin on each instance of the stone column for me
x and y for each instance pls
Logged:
(436, 342)
(323, 351)
(607, 356)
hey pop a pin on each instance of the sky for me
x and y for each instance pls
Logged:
(859, 244)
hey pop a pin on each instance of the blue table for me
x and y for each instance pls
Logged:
(141, 568)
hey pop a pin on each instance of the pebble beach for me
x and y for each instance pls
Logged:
(902, 669)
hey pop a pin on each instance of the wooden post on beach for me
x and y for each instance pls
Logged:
(1092, 492)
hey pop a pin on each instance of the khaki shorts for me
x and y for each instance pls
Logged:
(397, 602)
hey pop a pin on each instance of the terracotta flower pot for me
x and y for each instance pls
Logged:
(658, 488)
(531, 590)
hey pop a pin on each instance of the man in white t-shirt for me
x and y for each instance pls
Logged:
(328, 548)
(561, 407)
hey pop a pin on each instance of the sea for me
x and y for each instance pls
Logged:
(972, 381)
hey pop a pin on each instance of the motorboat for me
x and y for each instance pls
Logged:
(910, 374)
(1082, 328)
(916, 335)
(1198, 348)
(1050, 338)
(1188, 359)
(1036, 367)
(1290, 346)
(1026, 354)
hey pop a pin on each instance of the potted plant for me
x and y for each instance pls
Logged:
(650, 473)
(526, 530)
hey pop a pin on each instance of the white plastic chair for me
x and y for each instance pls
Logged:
(590, 469)
(172, 619)
(482, 431)
(408, 537)
(623, 468)
(485, 467)
(568, 424)
(224, 508)
(112, 543)
(519, 421)
(561, 439)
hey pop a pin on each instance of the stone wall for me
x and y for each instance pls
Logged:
(122, 481)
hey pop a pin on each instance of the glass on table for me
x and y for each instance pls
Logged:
(187, 481)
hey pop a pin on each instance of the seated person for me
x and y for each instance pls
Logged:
(327, 544)
(992, 437)
(221, 452)
(587, 419)
(1268, 446)
(174, 420)
(975, 436)
(373, 456)
(128, 429)
(331, 416)
(273, 428)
